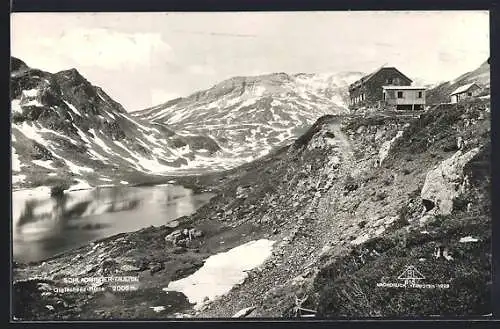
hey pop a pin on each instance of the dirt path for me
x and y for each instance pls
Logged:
(343, 140)
(298, 250)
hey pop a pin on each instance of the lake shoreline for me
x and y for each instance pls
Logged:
(142, 256)
(98, 213)
(145, 253)
(180, 262)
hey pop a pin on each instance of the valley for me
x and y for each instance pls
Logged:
(336, 201)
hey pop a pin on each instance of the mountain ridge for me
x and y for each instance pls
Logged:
(441, 92)
(56, 114)
(250, 115)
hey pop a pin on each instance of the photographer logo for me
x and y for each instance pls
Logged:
(411, 277)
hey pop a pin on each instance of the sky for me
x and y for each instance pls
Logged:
(144, 59)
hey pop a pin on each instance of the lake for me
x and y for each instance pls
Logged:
(43, 226)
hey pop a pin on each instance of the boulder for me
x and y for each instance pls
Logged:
(195, 233)
(174, 236)
(379, 134)
(428, 204)
(178, 250)
(386, 146)
(172, 224)
(129, 268)
(182, 242)
(445, 182)
(244, 312)
(109, 263)
(156, 268)
(192, 244)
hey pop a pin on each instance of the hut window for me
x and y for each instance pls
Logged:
(400, 94)
(419, 94)
(469, 94)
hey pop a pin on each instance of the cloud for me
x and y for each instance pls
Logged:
(201, 70)
(106, 48)
(240, 35)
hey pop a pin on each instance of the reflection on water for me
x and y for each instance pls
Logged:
(44, 226)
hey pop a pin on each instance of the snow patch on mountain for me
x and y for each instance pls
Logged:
(73, 108)
(250, 116)
(66, 128)
(16, 164)
(44, 163)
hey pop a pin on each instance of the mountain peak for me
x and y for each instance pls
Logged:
(16, 64)
(72, 74)
(73, 78)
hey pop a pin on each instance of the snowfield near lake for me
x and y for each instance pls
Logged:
(222, 271)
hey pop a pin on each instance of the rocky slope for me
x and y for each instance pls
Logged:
(351, 203)
(366, 219)
(249, 116)
(64, 129)
(441, 93)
